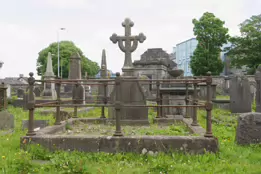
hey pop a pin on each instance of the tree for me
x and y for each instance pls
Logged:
(245, 50)
(67, 48)
(211, 35)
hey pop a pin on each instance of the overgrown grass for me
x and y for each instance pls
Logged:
(231, 158)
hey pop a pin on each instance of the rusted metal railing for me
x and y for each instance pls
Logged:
(104, 102)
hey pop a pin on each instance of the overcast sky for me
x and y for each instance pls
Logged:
(27, 26)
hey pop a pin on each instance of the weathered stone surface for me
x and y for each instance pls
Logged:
(249, 128)
(78, 94)
(109, 144)
(20, 93)
(6, 120)
(131, 93)
(37, 123)
(240, 95)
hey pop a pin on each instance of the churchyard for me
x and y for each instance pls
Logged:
(133, 124)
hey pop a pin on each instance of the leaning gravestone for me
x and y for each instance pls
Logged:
(240, 95)
(249, 128)
(6, 120)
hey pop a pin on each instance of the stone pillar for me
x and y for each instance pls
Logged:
(258, 89)
(75, 71)
(49, 88)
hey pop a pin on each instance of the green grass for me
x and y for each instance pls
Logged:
(80, 128)
(223, 97)
(232, 158)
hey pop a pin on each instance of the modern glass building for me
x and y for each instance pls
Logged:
(184, 51)
(110, 73)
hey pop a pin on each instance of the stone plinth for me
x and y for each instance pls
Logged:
(175, 96)
(131, 94)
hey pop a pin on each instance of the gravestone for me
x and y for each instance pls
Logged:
(6, 120)
(103, 75)
(37, 123)
(240, 95)
(130, 91)
(258, 89)
(37, 92)
(248, 129)
(20, 93)
(78, 94)
(49, 88)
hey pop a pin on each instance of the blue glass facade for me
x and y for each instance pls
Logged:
(184, 51)
(112, 75)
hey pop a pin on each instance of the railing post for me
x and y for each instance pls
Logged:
(187, 102)
(158, 99)
(104, 100)
(58, 102)
(195, 102)
(118, 104)
(31, 105)
(209, 106)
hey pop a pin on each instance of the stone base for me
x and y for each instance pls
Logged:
(137, 144)
(131, 94)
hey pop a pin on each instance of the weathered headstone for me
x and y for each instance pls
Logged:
(37, 92)
(103, 75)
(49, 88)
(20, 93)
(6, 120)
(258, 89)
(78, 94)
(130, 91)
(240, 95)
(249, 128)
(37, 123)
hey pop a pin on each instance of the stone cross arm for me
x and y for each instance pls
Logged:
(121, 39)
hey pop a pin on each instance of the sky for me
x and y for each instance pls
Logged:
(28, 26)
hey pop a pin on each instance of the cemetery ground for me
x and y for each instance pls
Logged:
(231, 158)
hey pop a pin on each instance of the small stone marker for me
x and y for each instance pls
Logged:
(6, 120)
(78, 94)
(20, 93)
(37, 124)
(249, 128)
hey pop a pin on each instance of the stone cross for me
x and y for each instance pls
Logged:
(128, 44)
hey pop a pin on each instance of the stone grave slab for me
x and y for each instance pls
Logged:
(37, 123)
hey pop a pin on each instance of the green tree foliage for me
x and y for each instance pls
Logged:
(67, 48)
(246, 49)
(211, 35)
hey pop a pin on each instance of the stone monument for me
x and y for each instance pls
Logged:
(240, 95)
(258, 89)
(130, 91)
(75, 73)
(6, 119)
(104, 75)
(49, 88)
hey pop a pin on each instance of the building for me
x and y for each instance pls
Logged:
(109, 72)
(184, 51)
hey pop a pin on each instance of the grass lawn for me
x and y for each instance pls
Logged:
(231, 158)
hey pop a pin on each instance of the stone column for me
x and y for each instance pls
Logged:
(49, 88)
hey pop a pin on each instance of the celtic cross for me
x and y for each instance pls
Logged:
(127, 43)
